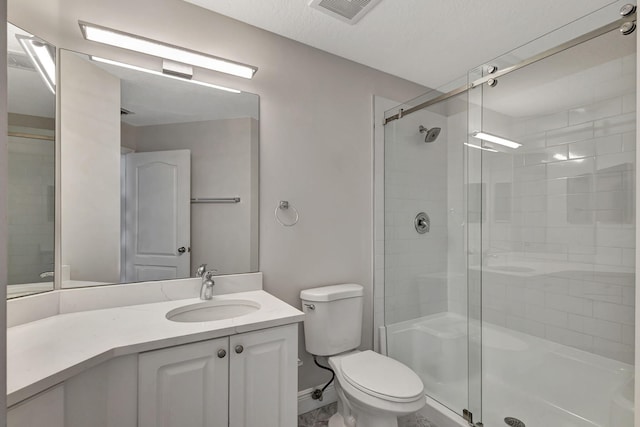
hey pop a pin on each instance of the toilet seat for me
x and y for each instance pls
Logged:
(382, 377)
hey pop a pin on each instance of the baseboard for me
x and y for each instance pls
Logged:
(306, 403)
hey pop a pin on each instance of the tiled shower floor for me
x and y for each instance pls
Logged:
(320, 418)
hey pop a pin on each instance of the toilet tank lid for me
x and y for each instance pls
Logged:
(331, 293)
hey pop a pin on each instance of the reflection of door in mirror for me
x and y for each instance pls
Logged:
(157, 216)
(31, 201)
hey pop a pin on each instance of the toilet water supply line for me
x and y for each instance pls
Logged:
(317, 393)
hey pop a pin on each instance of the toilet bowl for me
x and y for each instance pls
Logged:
(373, 390)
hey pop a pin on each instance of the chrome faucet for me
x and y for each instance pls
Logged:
(201, 269)
(206, 290)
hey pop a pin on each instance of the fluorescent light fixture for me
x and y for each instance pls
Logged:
(123, 40)
(42, 56)
(481, 148)
(158, 73)
(495, 139)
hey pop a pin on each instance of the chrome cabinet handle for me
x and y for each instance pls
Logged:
(222, 353)
(239, 349)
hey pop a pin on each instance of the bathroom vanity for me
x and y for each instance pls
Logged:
(111, 357)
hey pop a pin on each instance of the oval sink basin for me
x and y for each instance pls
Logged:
(212, 310)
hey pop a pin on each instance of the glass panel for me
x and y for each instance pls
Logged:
(558, 239)
(425, 274)
(475, 207)
(31, 106)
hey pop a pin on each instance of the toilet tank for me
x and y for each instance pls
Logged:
(333, 318)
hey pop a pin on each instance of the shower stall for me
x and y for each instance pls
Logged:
(509, 233)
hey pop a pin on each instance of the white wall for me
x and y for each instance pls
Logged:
(315, 133)
(90, 170)
(221, 160)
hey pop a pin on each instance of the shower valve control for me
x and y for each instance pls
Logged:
(422, 223)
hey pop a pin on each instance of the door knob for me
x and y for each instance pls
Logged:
(239, 349)
(222, 353)
(182, 250)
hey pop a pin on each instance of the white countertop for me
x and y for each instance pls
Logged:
(48, 351)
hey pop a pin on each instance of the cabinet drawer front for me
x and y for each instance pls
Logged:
(185, 386)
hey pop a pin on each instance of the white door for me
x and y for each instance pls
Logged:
(263, 376)
(158, 215)
(185, 386)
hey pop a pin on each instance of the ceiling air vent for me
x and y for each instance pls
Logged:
(349, 11)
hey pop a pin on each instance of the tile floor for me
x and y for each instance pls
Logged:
(320, 418)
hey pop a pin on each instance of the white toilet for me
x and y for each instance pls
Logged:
(373, 390)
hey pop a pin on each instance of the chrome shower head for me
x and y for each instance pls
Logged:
(431, 134)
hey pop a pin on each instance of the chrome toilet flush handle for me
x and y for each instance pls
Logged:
(310, 306)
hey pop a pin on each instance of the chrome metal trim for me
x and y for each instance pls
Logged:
(216, 200)
(31, 135)
(539, 57)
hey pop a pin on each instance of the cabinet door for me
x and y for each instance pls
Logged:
(264, 378)
(184, 386)
(43, 410)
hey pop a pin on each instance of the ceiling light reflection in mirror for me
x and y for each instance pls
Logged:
(31, 172)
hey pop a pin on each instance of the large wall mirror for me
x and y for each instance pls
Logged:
(158, 175)
(31, 198)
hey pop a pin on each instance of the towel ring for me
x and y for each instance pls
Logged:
(284, 205)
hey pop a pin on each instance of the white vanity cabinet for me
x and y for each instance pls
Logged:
(184, 386)
(246, 380)
(263, 378)
(45, 409)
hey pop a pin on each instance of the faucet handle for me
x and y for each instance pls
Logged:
(209, 273)
(201, 270)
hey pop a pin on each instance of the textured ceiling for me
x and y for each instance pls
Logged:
(430, 42)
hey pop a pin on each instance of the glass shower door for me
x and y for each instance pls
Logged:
(558, 238)
(425, 262)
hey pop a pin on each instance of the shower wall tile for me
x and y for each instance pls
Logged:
(608, 144)
(570, 228)
(615, 125)
(415, 181)
(629, 142)
(570, 134)
(600, 110)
